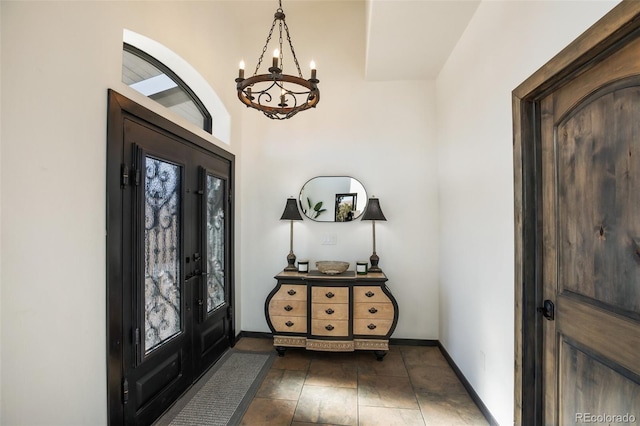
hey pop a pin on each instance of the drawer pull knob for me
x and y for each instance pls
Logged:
(373, 310)
(371, 326)
(291, 292)
(369, 294)
(329, 295)
(329, 311)
(288, 324)
(288, 308)
(329, 327)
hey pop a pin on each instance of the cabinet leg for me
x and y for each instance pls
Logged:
(280, 350)
(380, 355)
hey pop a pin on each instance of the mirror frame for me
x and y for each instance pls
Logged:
(334, 205)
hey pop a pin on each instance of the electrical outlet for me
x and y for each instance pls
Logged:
(329, 239)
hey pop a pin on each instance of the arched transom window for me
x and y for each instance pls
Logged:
(155, 80)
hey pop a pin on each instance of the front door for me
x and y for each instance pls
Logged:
(169, 287)
(590, 159)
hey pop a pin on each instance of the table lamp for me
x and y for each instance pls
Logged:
(291, 213)
(373, 213)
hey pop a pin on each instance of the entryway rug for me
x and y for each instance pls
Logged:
(223, 394)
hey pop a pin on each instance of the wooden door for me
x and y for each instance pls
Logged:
(170, 263)
(590, 164)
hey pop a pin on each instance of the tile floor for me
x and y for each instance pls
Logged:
(413, 385)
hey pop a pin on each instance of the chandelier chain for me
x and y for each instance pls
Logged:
(264, 49)
(293, 52)
(280, 42)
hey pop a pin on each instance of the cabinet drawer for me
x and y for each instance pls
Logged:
(371, 327)
(291, 292)
(291, 308)
(373, 310)
(289, 324)
(330, 294)
(330, 327)
(330, 311)
(362, 294)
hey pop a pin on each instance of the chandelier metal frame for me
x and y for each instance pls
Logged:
(297, 95)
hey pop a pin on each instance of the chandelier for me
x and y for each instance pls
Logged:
(277, 95)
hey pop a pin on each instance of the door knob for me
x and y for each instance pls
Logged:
(548, 310)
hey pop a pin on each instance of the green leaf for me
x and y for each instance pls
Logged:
(318, 206)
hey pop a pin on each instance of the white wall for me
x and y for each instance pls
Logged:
(58, 60)
(505, 42)
(0, 210)
(380, 133)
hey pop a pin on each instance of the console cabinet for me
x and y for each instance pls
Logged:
(338, 313)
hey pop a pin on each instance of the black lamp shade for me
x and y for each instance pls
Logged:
(291, 211)
(373, 210)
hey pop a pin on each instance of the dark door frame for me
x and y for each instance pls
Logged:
(595, 44)
(119, 107)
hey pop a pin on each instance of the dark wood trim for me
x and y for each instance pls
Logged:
(472, 393)
(414, 342)
(588, 49)
(583, 51)
(254, 335)
(114, 250)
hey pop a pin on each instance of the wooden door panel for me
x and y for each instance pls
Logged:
(212, 337)
(604, 393)
(590, 135)
(603, 331)
(598, 169)
(152, 383)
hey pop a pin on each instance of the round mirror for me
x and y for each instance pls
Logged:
(333, 199)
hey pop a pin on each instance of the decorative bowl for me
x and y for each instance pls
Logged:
(332, 267)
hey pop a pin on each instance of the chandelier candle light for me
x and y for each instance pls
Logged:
(258, 90)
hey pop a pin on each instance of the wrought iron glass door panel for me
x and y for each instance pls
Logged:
(215, 237)
(162, 252)
(215, 318)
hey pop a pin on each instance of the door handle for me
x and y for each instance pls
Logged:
(548, 310)
(194, 274)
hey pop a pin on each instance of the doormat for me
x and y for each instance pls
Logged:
(222, 395)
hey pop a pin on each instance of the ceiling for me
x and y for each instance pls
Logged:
(405, 39)
(412, 39)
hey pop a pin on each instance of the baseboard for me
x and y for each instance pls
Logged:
(254, 334)
(472, 393)
(412, 342)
